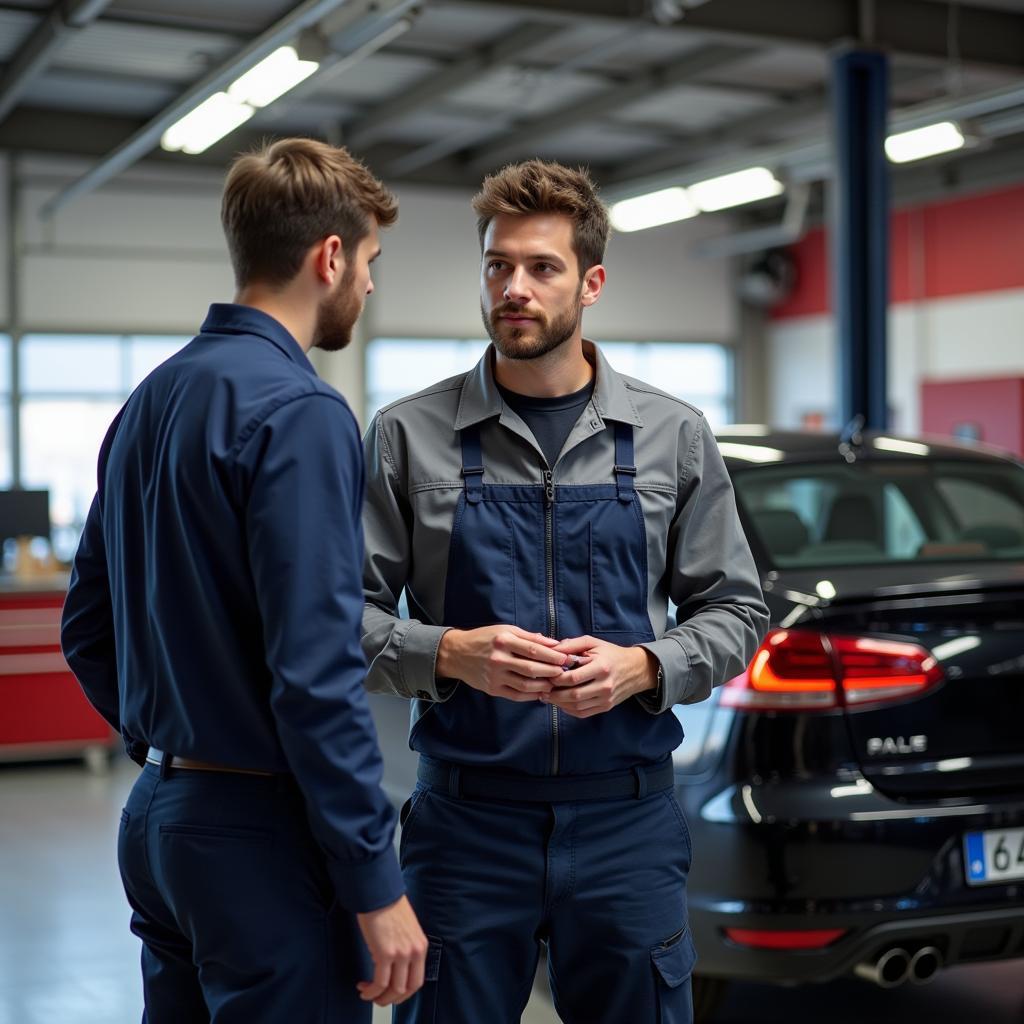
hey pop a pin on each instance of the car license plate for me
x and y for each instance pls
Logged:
(996, 855)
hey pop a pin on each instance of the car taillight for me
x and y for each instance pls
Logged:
(799, 670)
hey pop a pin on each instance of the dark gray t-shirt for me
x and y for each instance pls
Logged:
(550, 419)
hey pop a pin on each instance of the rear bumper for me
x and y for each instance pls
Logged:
(794, 856)
(963, 937)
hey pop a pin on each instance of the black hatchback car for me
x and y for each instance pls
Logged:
(856, 798)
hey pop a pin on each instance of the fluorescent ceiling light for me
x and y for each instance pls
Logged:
(735, 189)
(931, 140)
(895, 444)
(750, 452)
(745, 429)
(223, 112)
(211, 120)
(648, 211)
(272, 77)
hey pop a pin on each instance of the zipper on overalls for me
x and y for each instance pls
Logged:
(549, 565)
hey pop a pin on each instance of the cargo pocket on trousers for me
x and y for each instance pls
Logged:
(673, 961)
(425, 1002)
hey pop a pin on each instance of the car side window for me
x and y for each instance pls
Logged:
(975, 503)
(984, 514)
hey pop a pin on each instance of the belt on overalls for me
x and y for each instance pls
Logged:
(460, 781)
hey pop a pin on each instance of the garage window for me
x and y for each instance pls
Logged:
(698, 373)
(71, 387)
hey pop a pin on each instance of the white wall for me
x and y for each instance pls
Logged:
(961, 337)
(145, 254)
(429, 279)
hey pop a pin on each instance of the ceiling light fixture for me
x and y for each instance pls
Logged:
(225, 111)
(735, 189)
(649, 211)
(202, 127)
(272, 77)
(943, 137)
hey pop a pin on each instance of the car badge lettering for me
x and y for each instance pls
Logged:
(882, 745)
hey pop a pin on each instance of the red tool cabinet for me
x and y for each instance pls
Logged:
(43, 712)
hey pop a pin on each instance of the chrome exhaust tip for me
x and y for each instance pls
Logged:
(888, 971)
(924, 965)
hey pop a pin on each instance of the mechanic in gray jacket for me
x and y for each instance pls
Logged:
(539, 512)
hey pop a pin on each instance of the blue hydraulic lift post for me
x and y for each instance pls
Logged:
(860, 232)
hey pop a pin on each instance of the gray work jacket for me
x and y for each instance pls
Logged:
(697, 554)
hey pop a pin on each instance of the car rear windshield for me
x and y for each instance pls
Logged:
(877, 512)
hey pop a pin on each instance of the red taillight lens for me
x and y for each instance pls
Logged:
(798, 670)
(784, 940)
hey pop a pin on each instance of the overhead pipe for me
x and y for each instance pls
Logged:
(810, 159)
(789, 230)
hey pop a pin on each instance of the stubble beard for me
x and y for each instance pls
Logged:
(542, 337)
(338, 314)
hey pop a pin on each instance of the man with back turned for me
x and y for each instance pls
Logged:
(213, 620)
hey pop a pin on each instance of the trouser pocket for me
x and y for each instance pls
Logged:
(422, 1007)
(673, 962)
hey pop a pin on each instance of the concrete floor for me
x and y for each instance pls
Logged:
(67, 957)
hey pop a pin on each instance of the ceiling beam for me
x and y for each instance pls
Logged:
(919, 28)
(305, 15)
(76, 134)
(809, 157)
(525, 132)
(503, 50)
(756, 128)
(34, 55)
(81, 134)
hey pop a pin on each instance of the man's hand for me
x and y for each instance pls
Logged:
(399, 951)
(501, 661)
(610, 675)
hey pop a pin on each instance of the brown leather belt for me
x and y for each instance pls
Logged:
(156, 757)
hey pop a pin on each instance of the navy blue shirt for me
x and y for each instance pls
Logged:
(216, 598)
(550, 419)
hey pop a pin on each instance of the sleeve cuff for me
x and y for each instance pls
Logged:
(417, 663)
(675, 675)
(370, 884)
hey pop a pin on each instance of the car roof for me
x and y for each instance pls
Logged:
(747, 444)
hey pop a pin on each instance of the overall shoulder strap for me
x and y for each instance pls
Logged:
(472, 463)
(625, 470)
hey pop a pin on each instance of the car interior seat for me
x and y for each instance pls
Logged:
(782, 530)
(853, 517)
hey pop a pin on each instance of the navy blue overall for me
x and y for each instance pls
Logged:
(601, 880)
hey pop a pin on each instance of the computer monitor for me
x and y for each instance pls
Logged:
(24, 514)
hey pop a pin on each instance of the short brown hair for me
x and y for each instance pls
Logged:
(289, 195)
(537, 186)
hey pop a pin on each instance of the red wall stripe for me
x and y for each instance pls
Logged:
(955, 247)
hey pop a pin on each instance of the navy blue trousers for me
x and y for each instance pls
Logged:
(601, 882)
(233, 904)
